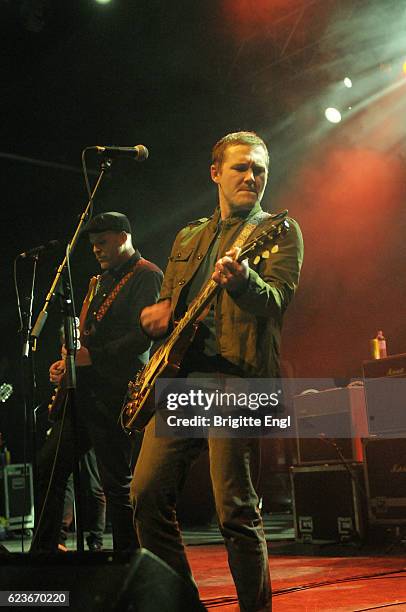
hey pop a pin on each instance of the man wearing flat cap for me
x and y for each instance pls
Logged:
(113, 348)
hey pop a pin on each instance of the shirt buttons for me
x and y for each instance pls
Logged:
(181, 282)
(199, 256)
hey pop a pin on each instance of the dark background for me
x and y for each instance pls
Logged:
(176, 76)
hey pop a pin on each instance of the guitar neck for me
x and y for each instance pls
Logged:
(86, 302)
(197, 306)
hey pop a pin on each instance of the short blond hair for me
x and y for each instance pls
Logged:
(236, 138)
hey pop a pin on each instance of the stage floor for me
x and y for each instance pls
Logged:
(303, 583)
(309, 578)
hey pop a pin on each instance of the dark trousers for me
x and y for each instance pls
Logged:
(93, 494)
(97, 427)
(159, 475)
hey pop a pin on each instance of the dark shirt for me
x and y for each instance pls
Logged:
(117, 345)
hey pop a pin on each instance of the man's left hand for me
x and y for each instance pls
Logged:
(231, 274)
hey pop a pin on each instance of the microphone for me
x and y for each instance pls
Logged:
(139, 152)
(42, 248)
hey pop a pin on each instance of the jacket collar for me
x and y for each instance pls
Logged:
(216, 221)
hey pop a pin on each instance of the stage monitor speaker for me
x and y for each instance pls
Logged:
(385, 391)
(336, 415)
(101, 582)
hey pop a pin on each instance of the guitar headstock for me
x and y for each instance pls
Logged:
(6, 390)
(278, 228)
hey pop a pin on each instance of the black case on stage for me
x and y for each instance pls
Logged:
(385, 477)
(16, 496)
(328, 503)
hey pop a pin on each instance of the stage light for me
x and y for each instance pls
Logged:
(347, 82)
(332, 114)
(102, 1)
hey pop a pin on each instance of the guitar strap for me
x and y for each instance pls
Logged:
(249, 227)
(103, 308)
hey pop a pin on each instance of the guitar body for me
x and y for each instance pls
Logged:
(140, 405)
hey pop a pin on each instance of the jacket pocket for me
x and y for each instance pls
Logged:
(182, 255)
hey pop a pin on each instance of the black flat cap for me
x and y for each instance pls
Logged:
(108, 222)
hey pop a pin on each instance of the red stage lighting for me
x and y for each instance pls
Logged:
(253, 16)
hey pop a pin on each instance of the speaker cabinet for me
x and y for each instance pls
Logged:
(101, 581)
(385, 477)
(330, 420)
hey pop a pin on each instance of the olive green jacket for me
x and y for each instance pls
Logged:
(248, 324)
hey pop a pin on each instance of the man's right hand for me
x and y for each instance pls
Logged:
(155, 319)
(56, 371)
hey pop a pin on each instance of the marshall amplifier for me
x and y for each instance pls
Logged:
(385, 478)
(330, 420)
(385, 392)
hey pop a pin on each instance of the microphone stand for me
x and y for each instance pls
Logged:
(28, 382)
(70, 334)
(61, 285)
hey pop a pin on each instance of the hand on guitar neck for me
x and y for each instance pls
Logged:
(231, 274)
(82, 356)
(57, 369)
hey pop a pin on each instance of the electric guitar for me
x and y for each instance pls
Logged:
(139, 404)
(60, 393)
